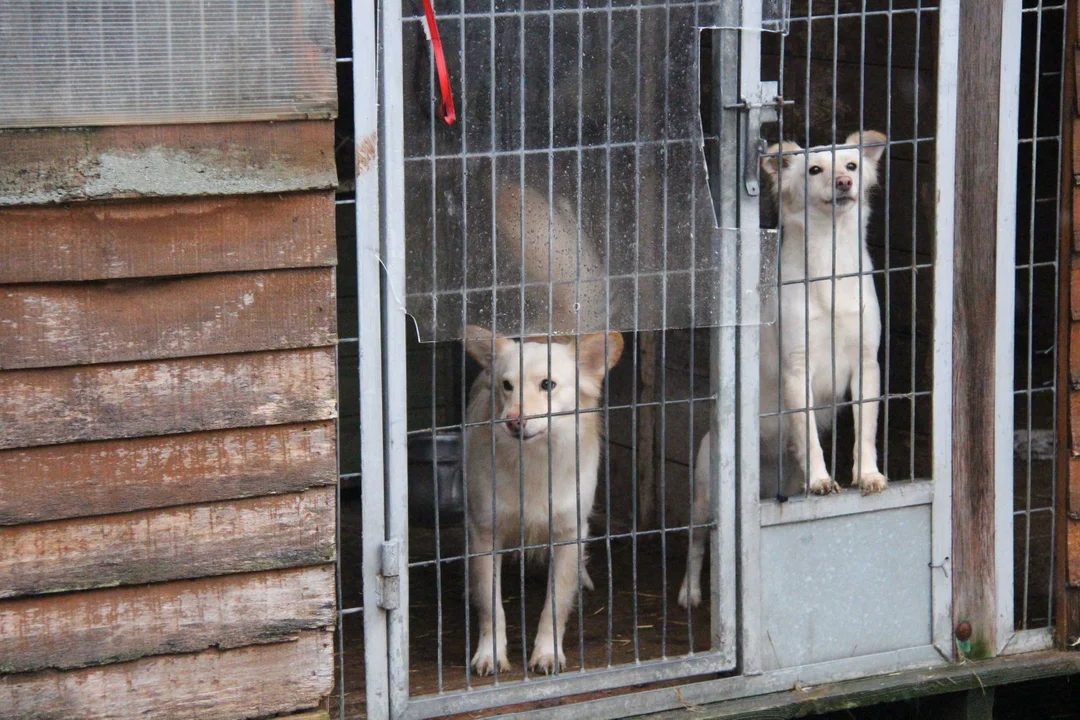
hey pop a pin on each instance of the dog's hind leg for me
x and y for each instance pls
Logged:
(485, 571)
(690, 592)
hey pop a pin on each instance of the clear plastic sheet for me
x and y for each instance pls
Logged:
(572, 195)
(71, 62)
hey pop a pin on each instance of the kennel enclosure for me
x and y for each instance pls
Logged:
(239, 246)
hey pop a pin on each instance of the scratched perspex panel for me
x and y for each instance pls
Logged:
(110, 62)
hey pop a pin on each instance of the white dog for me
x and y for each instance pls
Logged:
(814, 191)
(518, 384)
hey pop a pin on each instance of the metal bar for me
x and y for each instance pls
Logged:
(369, 333)
(392, 251)
(561, 685)
(944, 220)
(749, 265)
(1008, 134)
(741, 686)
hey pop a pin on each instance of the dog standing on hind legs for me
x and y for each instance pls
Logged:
(815, 189)
(518, 384)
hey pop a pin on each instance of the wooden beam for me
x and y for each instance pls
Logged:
(156, 238)
(249, 682)
(105, 626)
(58, 165)
(831, 697)
(101, 402)
(57, 482)
(1067, 490)
(974, 309)
(191, 541)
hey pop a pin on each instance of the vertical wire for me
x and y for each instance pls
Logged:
(663, 340)
(888, 239)
(521, 307)
(1057, 289)
(637, 329)
(1031, 307)
(577, 355)
(550, 319)
(914, 240)
(691, 405)
(808, 405)
(607, 305)
(833, 282)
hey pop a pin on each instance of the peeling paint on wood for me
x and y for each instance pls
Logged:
(119, 624)
(54, 324)
(157, 545)
(249, 682)
(56, 482)
(101, 402)
(43, 167)
(153, 238)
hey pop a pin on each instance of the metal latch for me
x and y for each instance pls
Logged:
(761, 107)
(390, 575)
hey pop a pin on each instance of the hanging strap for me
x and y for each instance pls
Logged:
(446, 104)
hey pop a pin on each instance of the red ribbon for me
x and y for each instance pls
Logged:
(446, 105)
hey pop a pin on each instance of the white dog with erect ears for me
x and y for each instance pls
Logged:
(814, 190)
(508, 473)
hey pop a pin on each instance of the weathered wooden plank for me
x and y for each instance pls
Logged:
(1074, 288)
(157, 545)
(58, 165)
(1073, 546)
(54, 324)
(1074, 426)
(249, 682)
(974, 308)
(103, 626)
(155, 238)
(101, 402)
(56, 482)
(1074, 352)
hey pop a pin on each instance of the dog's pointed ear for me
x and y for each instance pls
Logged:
(776, 157)
(592, 358)
(873, 144)
(482, 346)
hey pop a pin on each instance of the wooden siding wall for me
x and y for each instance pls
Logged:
(167, 405)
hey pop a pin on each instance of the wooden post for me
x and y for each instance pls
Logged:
(974, 308)
(1067, 492)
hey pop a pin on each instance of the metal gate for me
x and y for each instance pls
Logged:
(622, 139)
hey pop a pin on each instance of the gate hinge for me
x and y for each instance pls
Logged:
(390, 575)
(762, 106)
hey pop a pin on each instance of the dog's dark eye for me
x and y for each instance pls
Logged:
(815, 169)
(547, 385)
(507, 385)
(852, 166)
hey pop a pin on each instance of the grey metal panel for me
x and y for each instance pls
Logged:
(77, 63)
(847, 586)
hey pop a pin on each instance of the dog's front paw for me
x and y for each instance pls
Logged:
(824, 486)
(543, 660)
(693, 595)
(483, 662)
(872, 482)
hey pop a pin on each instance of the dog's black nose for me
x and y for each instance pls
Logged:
(843, 183)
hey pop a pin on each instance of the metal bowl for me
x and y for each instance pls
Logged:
(435, 461)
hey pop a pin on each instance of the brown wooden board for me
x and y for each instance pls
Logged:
(154, 238)
(973, 540)
(55, 324)
(1073, 564)
(55, 482)
(249, 682)
(46, 166)
(101, 402)
(103, 626)
(157, 545)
